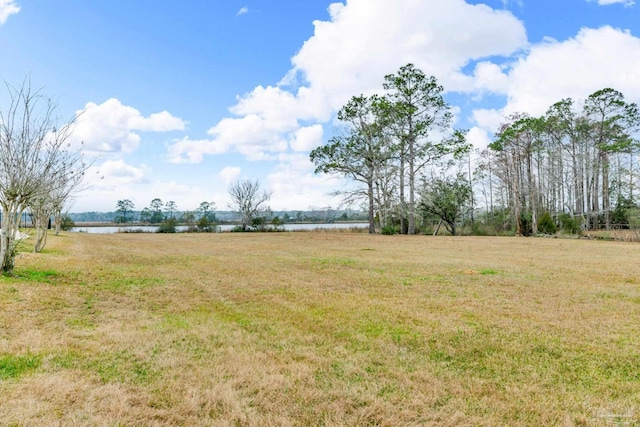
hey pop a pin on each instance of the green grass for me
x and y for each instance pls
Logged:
(312, 329)
(15, 366)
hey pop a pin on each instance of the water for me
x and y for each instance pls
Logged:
(226, 227)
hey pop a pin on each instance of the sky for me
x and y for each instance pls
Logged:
(177, 100)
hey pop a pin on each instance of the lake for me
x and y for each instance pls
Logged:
(223, 228)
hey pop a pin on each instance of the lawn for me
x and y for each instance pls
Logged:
(319, 328)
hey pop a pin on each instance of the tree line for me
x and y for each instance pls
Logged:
(576, 163)
(248, 199)
(166, 214)
(248, 204)
(573, 167)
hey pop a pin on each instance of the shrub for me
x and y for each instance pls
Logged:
(66, 223)
(569, 224)
(259, 223)
(479, 229)
(168, 226)
(388, 230)
(620, 217)
(546, 225)
(206, 226)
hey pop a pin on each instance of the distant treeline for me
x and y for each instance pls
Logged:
(324, 216)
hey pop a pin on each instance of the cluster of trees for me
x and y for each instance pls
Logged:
(39, 170)
(388, 145)
(575, 164)
(165, 214)
(248, 199)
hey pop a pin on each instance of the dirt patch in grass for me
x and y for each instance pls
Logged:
(321, 329)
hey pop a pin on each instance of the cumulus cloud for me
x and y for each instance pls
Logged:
(7, 8)
(112, 127)
(295, 186)
(229, 174)
(306, 138)
(242, 11)
(478, 137)
(574, 68)
(115, 174)
(188, 150)
(350, 54)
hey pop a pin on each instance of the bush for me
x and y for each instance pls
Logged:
(546, 225)
(479, 229)
(569, 224)
(620, 217)
(388, 230)
(168, 226)
(259, 223)
(206, 226)
(66, 223)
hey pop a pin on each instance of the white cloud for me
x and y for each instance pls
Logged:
(186, 197)
(306, 138)
(478, 137)
(350, 54)
(575, 68)
(117, 180)
(188, 150)
(229, 174)
(625, 3)
(7, 8)
(112, 127)
(242, 11)
(488, 119)
(488, 76)
(594, 59)
(296, 187)
(114, 175)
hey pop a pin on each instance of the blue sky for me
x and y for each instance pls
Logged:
(182, 98)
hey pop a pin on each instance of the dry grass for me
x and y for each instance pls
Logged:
(619, 235)
(321, 329)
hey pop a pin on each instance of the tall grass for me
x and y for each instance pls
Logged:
(321, 329)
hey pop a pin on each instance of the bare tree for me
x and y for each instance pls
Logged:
(248, 199)
(54, 195)
(32, 159)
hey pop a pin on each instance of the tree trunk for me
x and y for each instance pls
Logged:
(8, 239)
(41, 222)
(372, 218)
(403, 203)
(412, 179)
(57, 220)
(605, 191)
(595, 205)
(532, 197)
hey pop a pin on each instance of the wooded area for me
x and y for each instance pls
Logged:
(572, 168)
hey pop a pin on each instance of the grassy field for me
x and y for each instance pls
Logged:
(331, 329)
